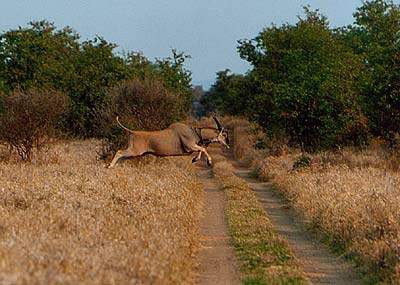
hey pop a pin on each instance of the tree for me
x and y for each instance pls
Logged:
(375, 36)
(43, 57)
(40, 56)
(305, 78)
(96, 69)
(142, 104)
(230, 94)
(37, 56)
(29, 119)
(176, 77)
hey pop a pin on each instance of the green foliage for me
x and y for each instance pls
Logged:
(317, 86)
(229, 94)
(139, 66)
(176, 77)
(307, 77)
(302, 83)
(96, 69)
(376, 38)
(37, 56)
(41, 56)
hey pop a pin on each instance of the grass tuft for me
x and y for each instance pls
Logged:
(350, 195)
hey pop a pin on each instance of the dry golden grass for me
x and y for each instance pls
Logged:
(65, 219)
(352, 196)
(355, 201)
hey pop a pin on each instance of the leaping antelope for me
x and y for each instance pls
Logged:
(177, 140)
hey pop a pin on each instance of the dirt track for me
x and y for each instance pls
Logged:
(217, 258)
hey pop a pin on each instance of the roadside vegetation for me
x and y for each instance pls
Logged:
(264, 257)
(53, 84)
(316, 87)
(350, 196)
(65, 219)
(41, 56)
(320, 118)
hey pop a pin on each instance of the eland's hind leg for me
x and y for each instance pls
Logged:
(117, 156)
(123, 154)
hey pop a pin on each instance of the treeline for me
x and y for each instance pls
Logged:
(78, 86)
(319, 87)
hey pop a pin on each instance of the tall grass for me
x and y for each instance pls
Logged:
(351, 195)
(65, 219)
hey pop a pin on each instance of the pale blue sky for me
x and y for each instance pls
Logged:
(206, 29)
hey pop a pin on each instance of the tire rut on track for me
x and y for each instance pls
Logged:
(319, 264)
(217, 257)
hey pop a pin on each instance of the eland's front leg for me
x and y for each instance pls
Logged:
(197, 158)
(202, 150)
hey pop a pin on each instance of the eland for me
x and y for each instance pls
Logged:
(177, 140)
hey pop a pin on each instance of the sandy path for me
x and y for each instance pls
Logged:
(217, 258)
(320, 265)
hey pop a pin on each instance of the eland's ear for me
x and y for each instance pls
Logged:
(219, 126)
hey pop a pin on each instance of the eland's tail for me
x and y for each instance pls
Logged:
(122, 126)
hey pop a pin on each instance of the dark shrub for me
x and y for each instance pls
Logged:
(140, 104)
(302, 161)
(28, 119)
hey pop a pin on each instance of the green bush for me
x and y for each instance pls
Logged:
(229, 94)
(40, 56)
(307, 77)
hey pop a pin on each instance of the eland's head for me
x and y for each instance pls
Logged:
(222, 137)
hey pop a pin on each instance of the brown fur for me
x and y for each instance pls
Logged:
(177, 140)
